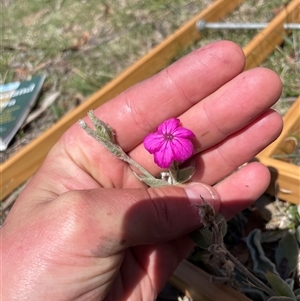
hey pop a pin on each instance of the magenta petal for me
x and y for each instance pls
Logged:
(164, 157)
(168, 126)
(171, 142)
(182, 149)
(182, 132)
(153, 142)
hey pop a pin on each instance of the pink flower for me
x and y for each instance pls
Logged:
(171, 142)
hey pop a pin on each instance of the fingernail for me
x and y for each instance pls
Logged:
(197, 192)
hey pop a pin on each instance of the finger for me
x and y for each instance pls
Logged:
(233, 106)
(139, 110)
(130, 217)
(160, 260)
(237, 192)
(219, 161)
(228, 111)
(242, 188)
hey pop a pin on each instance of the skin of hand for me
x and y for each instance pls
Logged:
(85, 228)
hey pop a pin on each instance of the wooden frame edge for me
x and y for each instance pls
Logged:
(196, 283)
(268, 151)
(263, 44)
(285, 177)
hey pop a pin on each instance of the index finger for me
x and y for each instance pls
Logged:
(171, 92)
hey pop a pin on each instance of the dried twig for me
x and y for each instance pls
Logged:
(219, 250)
(48, 101)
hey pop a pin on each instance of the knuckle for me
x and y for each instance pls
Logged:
(162, 211)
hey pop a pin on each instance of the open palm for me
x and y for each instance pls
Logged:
(85, 228)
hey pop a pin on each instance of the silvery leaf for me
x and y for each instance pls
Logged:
(280, 286)
(151, 181)
(184, 174)
(102, 129)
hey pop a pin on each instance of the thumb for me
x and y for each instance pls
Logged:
(146, 216)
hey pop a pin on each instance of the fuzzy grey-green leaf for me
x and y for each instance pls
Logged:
(102, 129)
(151, 181)
(280, 286)
(286, 255)
(184, 174)
(261, 263)
(202, 237)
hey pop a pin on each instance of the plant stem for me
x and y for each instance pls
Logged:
(127, 159)
(248, 274)
(114, 149)
(218, 241)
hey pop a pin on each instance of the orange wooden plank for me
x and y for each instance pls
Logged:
(195, 283)
(264, 43)
(285, 181)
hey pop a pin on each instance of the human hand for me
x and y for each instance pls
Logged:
(85, 228)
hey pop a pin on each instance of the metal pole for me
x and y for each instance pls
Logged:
(202, 25)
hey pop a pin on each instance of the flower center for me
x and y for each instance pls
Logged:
(168, 137)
